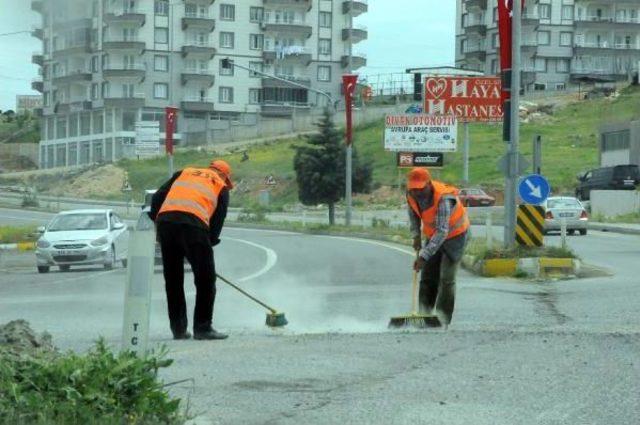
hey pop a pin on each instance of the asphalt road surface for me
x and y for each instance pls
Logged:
(517, 353)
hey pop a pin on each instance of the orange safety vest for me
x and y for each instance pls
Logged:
(458, 222)
(194, 192)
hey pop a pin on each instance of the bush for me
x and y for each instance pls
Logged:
(15, 234)
(253, 214)
(99, 387)
(478, 248)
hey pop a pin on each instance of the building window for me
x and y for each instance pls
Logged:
(254, 96)
(256, 41)
(227, 40)
(227, 12)
(94, 64)
(494, 41)
(494, 66)
(566, 39)
(545, 11)
(45, 99)
(258, 67)
(226, 95)
(567, 12)
(106, 90)
(256, 14)
(325, 19)
(161, 91)
(324, 46)
(161, 63)
(226, 71)
(324, 73)
(162, 7)
(161, 35)
(541, 65)
(561, 86)
(94, 91)
(544, 38)
(562, 66)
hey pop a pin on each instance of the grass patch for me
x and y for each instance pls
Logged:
(15, 234)
(477, 247)
(633, 218)
(99, 387)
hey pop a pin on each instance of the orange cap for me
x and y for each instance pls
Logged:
(225, 169)
(418, 178)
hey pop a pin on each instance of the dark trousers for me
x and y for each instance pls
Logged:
(438, 285)
(179, 241)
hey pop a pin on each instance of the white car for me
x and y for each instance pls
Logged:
(567, 209)
(80, 238)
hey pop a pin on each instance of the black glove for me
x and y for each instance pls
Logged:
(417, 243)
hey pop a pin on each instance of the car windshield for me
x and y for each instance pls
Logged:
(476, 192)
(563, 203)
(78, 222)
(623, 171)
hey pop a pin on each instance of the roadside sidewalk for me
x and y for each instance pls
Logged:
(625, 228)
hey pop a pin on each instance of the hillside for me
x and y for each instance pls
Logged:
(569, 146)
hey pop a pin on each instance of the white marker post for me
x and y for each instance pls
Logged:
(137, 297)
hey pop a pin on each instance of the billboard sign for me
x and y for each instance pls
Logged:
(420, 133)
(420, 159)
(147, 138)
(470, 99)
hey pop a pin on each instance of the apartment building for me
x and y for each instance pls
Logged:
(563, 41)
(107, 64)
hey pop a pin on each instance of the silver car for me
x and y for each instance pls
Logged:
(559, 208)
(80, 238)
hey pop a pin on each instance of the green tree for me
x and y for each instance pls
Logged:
(320, 168)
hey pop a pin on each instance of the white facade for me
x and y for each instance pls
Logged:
(106, 64)
(563, 41)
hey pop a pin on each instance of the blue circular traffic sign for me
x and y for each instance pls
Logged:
(534, 189)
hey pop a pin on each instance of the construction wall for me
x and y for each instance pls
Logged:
(612, 203)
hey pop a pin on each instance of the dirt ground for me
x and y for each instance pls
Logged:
(99, 182)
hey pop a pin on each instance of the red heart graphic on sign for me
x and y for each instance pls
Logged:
(436, 86)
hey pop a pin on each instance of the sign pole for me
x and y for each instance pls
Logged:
(349, 82)
(171, 114)
(465, 155)
(514, 130)
(537, 154)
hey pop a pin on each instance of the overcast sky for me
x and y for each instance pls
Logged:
(402, 34)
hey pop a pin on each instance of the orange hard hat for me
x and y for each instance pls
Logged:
(418, 178)
(224, 168)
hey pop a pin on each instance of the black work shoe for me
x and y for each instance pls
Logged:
(182, 335)
(209, 334)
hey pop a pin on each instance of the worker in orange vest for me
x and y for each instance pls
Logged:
(435, 207)
(189, 211)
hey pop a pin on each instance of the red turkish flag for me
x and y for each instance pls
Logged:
(505, 21)
(170, 115)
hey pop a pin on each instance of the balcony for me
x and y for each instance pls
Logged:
(297, 54)
(475, 52)
(37, 5)
(201, 76)
(358, 60)
(37, 58)
(529, 44)
(198, 48)
(475, 25)
(125, 16)
(65, 107)
(356, 34)
(273, 83)
(290, 3)
(78, 76)
(530, 18)
(197, 104)
(37, 85)
(37, 33)
(594, 21)
(73, 49)
(586, 46)
(119, 43)
(596, 74)
(476, 4)
(135, 71)
(123, 101)
(67, 24)
(281, 109)
(355, 7)
(297, 27)
(199, 22)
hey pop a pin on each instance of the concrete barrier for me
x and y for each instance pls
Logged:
(613, 203)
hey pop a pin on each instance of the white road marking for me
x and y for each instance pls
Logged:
(372, 242)
(272, 259)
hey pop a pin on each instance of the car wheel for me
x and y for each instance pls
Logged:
(65, 268)
(43, 269)
(583, 232)
(571, 232)
(112, 260)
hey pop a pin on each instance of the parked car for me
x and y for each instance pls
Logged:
(82, 237)
(476, 198)
(567, 208)
(619, 177)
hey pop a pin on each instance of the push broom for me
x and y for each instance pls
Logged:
(415, 319)
(275, 319)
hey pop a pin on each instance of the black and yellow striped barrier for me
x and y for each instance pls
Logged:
(530, 225)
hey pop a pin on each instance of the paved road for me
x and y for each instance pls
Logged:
(517, 353)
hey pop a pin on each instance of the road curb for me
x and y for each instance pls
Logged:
(605, 227)
(537, 268)
(20, 246)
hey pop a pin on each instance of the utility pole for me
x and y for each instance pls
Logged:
(513, 129)
(349, 159)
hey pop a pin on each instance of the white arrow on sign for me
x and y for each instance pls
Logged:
(535, 190)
